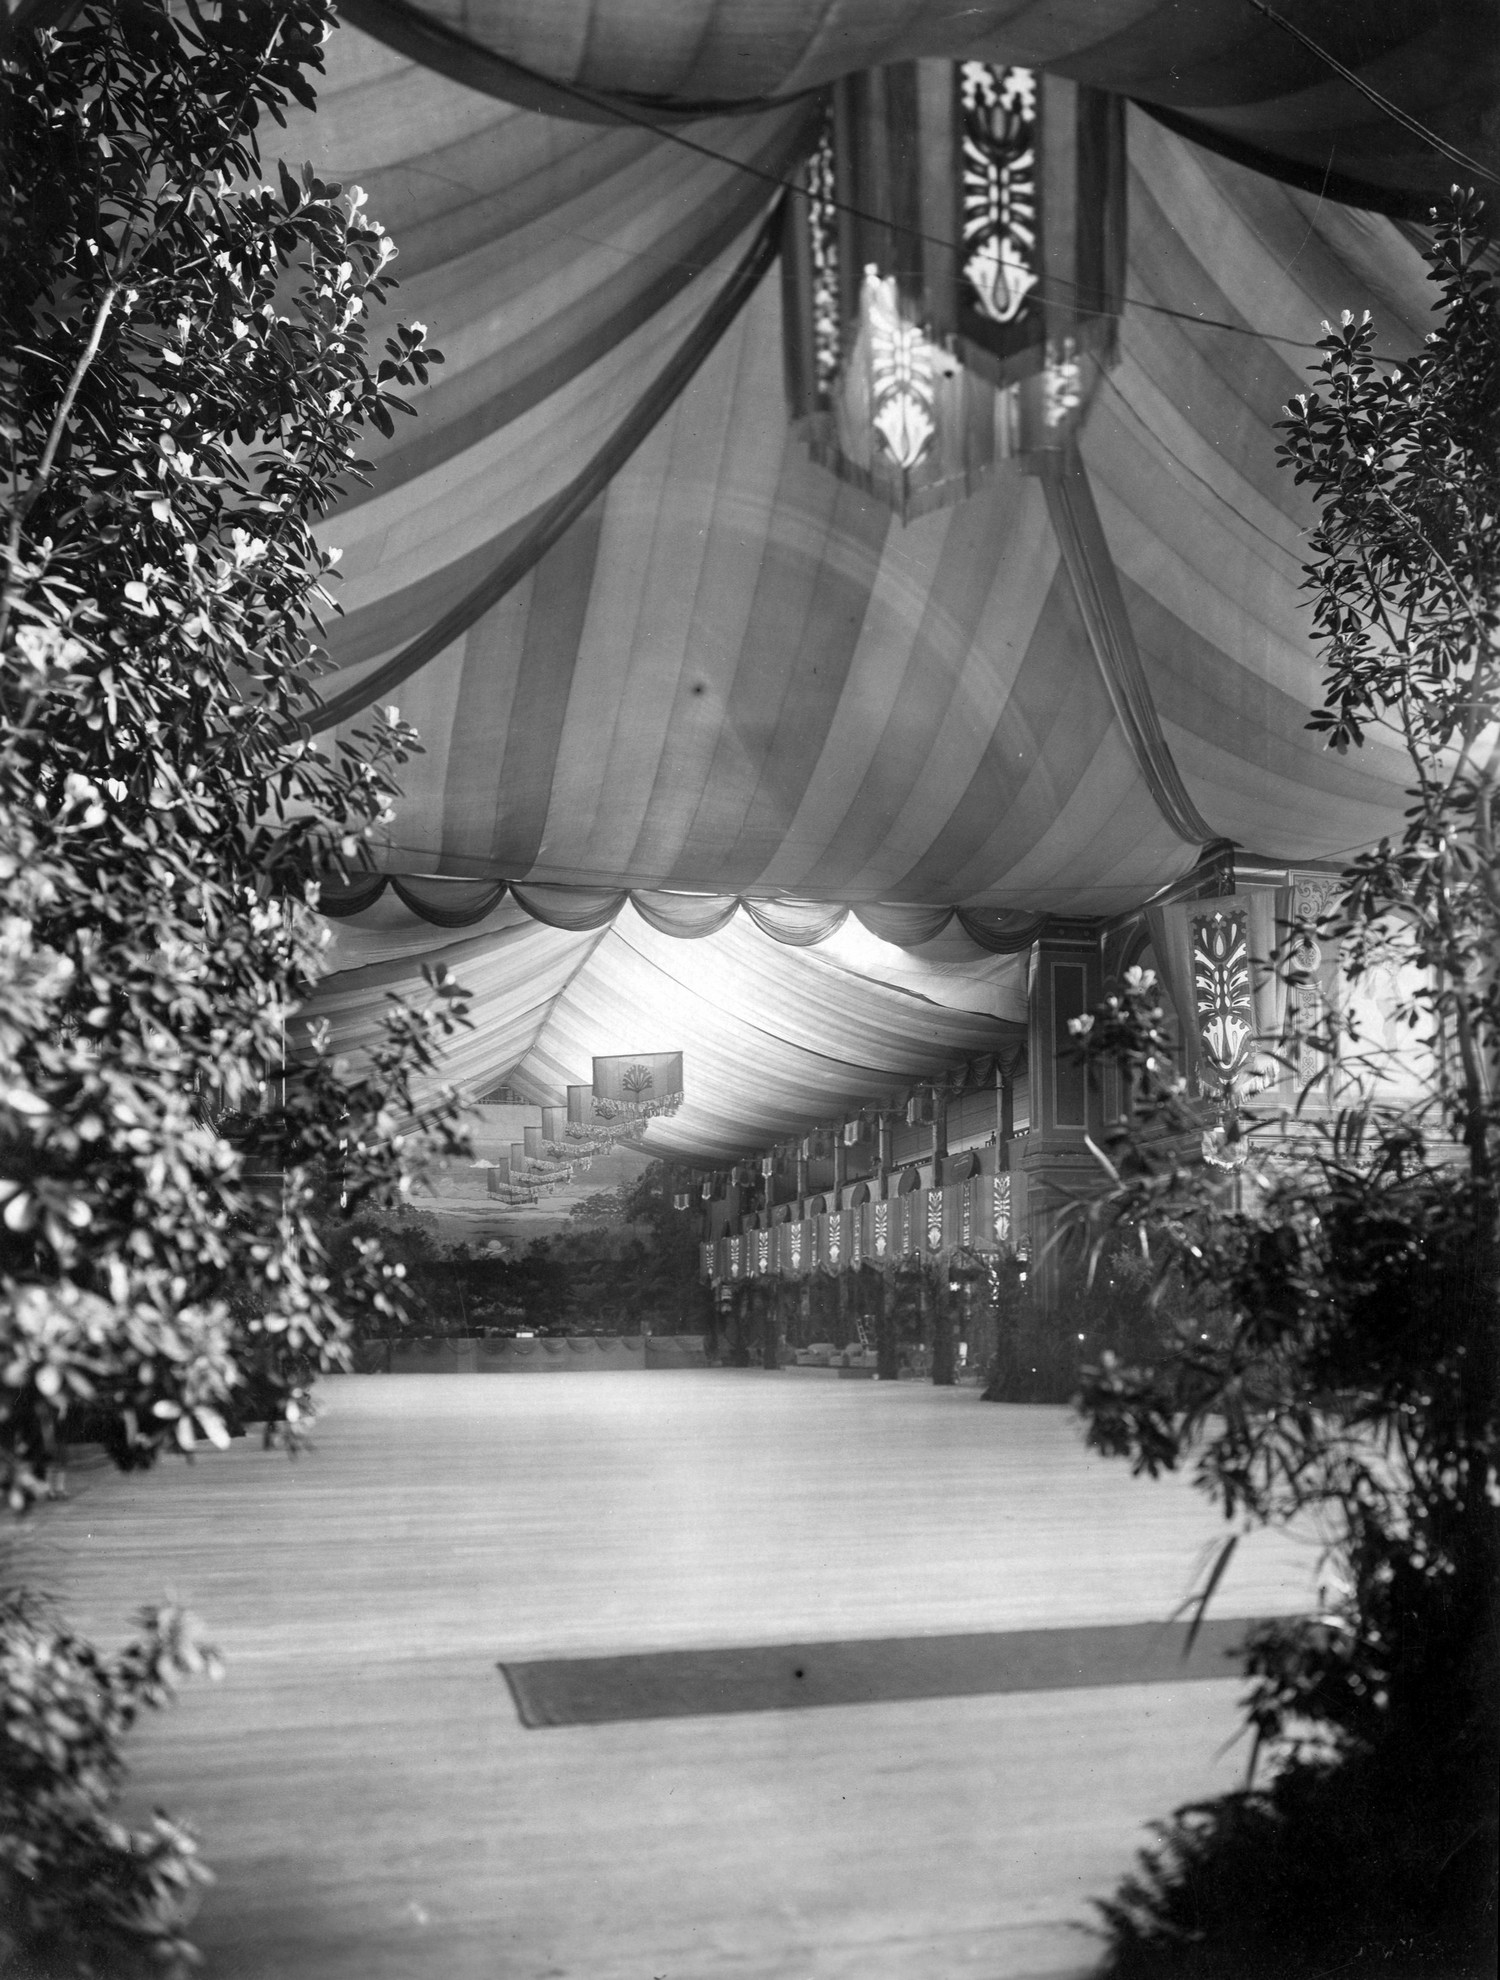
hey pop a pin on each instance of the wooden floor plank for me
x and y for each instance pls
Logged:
(376, 1812)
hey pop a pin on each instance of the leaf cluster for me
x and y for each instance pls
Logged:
(1351, 1241)
(185, 374)
(79, 1891)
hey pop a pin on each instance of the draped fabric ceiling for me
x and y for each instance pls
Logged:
(651, 646)
(1220, 67)
(777, 1038)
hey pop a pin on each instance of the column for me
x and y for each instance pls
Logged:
(770, 1328)
(942, 1330)
(887, 1360)
(1066, 1104)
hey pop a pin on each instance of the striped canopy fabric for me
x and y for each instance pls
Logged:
(776, 1038)
(654, 649)
(735, 673)
(1287, 84)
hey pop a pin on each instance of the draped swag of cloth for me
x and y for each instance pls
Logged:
(520, 550)
(448, 903)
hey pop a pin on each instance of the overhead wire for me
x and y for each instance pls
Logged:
(1413, 125)
(627, 113)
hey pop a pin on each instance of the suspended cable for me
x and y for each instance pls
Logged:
(617, 109)
(1387, 108)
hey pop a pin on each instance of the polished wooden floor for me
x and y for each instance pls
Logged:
(375, 1810)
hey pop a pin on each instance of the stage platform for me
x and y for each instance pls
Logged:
(376, 1810)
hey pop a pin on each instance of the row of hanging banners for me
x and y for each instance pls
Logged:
(984, 1213)
(917, 1107)
(627, 1091)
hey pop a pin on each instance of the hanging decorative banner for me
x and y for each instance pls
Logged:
(637, 1083)
(1002, 1210)
(882, 1229)
(706, 1261)
(966, 1211)
(1310, 975)
(934, 1220)
(1214, 956)
(998, 107)
(857, 1234)
(768, 1166)
(1221, 987)
(590, 1133)
(961, 231)
(762, 1251)
(736, 1257)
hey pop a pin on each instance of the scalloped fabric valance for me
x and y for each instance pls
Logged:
(800, 924)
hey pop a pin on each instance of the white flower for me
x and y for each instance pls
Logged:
(46, 647)
(79, 791)
(248, 549)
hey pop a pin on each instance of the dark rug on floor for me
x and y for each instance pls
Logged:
(783, 1677)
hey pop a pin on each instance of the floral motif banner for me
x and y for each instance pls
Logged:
(638, 1083)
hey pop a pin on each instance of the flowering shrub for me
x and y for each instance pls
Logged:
(185, 372)
(1351, 1382)
(79, 1892)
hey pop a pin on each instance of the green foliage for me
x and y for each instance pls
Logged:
(1332, 1869)
(184, 374)
(1353, 1244)
(185, 371)
(80, 1893)
(1116, 1309)
(604, 1207)
(635, 1261)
